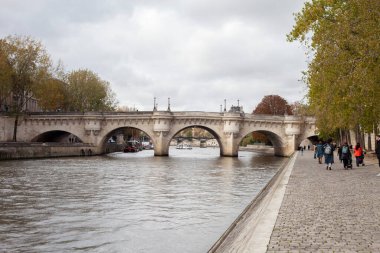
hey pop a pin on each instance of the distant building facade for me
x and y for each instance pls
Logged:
(31, 104)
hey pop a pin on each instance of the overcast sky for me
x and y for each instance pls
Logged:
(197, 52)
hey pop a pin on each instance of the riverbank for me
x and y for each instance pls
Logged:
(257, 148)
(26, 150)
(253, 227)
(321, 211)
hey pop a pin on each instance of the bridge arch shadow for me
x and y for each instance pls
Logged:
(207, 129)
(307, 141)
(117, 139)
(271, 141)
(57, 136)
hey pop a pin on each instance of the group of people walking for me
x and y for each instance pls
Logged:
(345, 155)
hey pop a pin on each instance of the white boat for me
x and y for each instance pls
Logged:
(184, 146)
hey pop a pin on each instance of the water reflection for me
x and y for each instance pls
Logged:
(127, 202)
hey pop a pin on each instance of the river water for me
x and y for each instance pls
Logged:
(126, 202)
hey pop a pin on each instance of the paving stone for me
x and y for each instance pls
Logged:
(329, 211)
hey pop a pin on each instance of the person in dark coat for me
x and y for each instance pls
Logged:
(346, 156)
(319, 151)
(328, 150)
(378, 148)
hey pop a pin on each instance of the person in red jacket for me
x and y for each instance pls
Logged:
(359, 154)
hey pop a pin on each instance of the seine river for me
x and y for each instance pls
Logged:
(127, 202)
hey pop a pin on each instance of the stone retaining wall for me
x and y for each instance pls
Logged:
(41, 150)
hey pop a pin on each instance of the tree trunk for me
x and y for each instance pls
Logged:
(15, 128)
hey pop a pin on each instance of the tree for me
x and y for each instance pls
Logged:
(87, 92)
(52, 95)
(28, 64)
(343, 77)
(274, 105)
(5, 75)
(300, 109)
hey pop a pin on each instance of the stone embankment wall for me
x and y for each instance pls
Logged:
(10, 150)
(257, 148)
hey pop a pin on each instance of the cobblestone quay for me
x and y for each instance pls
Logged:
(329, 210)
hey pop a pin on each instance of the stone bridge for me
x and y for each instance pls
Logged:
(229, 128)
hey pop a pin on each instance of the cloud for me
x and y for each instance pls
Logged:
(195, 52)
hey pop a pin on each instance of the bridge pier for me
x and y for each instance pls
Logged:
(161, 144)
(288, 147)
(230, 146)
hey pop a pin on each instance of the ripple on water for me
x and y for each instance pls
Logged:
(127, 202)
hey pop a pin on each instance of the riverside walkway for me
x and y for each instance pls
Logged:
(321, 211)
(329, 211)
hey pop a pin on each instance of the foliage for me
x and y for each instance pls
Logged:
(247, 140)
(343, 37)
(26, 72)
(195, 132)
(52, 95)
(255, 137)
(87, 92)
(27, 64)
(300, 109)
(274, 105)
(5, 74)
(260, 137)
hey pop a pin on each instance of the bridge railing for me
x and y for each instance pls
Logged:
(90, 113)
(192, 114)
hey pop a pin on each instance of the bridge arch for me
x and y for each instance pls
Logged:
(177, 130)
(57, 136)
(117, 132)
(275, 138)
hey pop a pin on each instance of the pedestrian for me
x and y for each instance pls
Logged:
(359, 154)
(328, 150)
(308, 147)
(346, 156)
(319, 151)
(301, 150)
(340, 154)
(378, 148)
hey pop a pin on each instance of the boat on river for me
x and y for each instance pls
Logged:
(184, 146)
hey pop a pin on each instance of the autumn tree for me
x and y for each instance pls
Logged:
(274, 105)
(27, 63)
(5, 75)
(86, 91)
(300, 109)
(343, 77)
(52, 95)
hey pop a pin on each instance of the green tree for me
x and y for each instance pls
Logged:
(87, 92)
(343, 77)
(29, 65)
